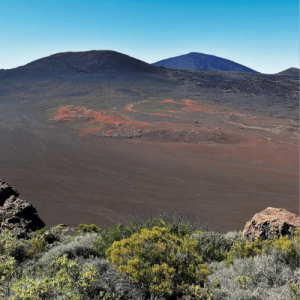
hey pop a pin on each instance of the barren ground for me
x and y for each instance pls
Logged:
(91, 147)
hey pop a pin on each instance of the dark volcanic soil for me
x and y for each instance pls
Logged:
(88, 137)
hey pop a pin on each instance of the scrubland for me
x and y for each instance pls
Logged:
(162, 256)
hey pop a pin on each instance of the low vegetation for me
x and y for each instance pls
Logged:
(155, 257)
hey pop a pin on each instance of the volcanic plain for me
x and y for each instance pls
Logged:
(89, 136)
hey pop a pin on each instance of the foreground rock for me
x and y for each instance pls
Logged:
(271, 222)
(17, 215)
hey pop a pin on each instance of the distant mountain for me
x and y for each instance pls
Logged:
(200, 61)
(88, 62)
(290, 72)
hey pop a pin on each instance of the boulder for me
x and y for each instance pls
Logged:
(17, 215)
(271, 222)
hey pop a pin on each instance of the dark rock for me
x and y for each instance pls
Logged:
(51, 246)
(17, 215)
(49, 237)
(271, 222)
(6, 191)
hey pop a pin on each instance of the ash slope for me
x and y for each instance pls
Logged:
(200, 61)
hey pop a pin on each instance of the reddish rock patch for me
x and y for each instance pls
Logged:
(128, 107)
(168, 101)
(103, 118)
(161, 114)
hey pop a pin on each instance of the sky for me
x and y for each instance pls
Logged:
(260, 34)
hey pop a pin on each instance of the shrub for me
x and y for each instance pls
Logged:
(87, 228)
(40, 232)
(159, 261)
(294, 290)
(112, 234)
(123, 231)
(286, 249)
(262, 277)
(7, 272)
(80, 246)
(110, 283)
(213, 246)
(65, 278)
(179, 218)
(38, 246)
(28, 289)
(245, 249)
(11, 246)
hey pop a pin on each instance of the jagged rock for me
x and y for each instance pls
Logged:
(17, 215)
(6, 191)
(271, 222)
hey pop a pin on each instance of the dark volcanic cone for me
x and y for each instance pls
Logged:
(89, 62)
(200, 61)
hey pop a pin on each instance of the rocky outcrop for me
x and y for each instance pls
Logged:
(271, 222)
(17, 215)
(6, 191)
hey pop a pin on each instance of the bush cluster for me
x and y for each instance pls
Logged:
(156, 257)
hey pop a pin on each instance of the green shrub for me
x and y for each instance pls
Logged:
(29, 289)
(40, 232)
(37, 246)
(123, 231)
(159, 261)
(246, 249)
(212, 246)
(7, 272)
(288, 250)
(294, 291)
(64, 278)
(11, 246)
(87, 228)
(80, 246)
(242, 281)
(266, 275)
(112, 234)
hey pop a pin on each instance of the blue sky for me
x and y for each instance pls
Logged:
(260, 34)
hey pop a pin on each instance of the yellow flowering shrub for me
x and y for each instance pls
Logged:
(7, 272)
(159, 261)
(87, 228)
(66, 278)
(284, 245)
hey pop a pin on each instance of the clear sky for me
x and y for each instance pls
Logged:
(260, 34)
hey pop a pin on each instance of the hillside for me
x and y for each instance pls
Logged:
(290, 72)
(72, 63)
(200, 61)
